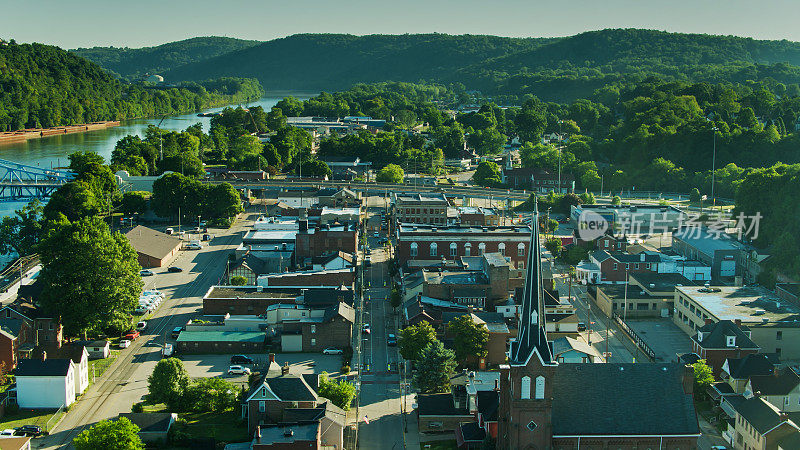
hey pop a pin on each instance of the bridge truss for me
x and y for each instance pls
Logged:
(20, 182)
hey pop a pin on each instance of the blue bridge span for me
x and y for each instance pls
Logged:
(19, 182)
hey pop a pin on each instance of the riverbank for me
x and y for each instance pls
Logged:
(13, 137)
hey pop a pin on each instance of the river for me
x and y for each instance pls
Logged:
(53, 151)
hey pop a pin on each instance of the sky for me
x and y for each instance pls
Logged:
(88, 23)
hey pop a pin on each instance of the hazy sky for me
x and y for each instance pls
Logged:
(86, 23)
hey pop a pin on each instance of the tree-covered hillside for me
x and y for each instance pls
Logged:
(136, 63)
(333, 61)
(45, 86)
(558, 69)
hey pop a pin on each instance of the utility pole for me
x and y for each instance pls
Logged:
(713, 166)
(625, 311)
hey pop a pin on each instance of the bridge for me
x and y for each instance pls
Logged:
(20, 182)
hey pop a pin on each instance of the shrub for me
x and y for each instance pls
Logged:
(137, 407)
(238, 281)
(345, 369)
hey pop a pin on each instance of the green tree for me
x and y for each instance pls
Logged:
(487, 174)
(469, 338)
(414, 338)
(168, 383)
(75, 200)
(434, 368)
(694, 195)
(575, 255)
(120, 434)
(396, 298)
(134, 202)
(340, 392)
(275, 119)
(209, 394)
(616, 200)
(222, 200)
(553, 245)
(21, 232)
(90, 276)
(391, 173)
(80, 161)
(703, 377)
(316, 168)
(238, 280)
(530, 124)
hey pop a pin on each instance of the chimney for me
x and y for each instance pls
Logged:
(285, 368)
(497, 385)
(709, 321)
(271, 358)
(688, 379)
(738, 322)
(44, 355)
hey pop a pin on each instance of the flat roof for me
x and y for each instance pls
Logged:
(270, 235)
(221, 336)
(661, 281)
(704, 241)
(455, 229)
(419, 198)
(750, 304)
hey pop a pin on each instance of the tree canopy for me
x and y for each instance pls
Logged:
(120, 434)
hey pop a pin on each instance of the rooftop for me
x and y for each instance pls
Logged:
(286, 434)
(47, 368)
(420, 198)
(750, 304)
(221, 336)
(150, 422)
(269, 236)
(704, 241)
(151, 242)
(715, 336)
(438, 405)
(760, 414)
(406, 228)
(660, 282)
(781, 382)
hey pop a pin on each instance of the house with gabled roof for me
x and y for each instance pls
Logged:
(759, 425)
(717, 341)
(45, 383)
(13, 333)
(737, 371)
(781, 389)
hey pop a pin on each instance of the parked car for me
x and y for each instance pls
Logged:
(176, 332)
(332, 351)
(153, 292)
(581, 326)
(131, 335)
(391, 340)
(241, 359)
(124, 343)
(169, 231)
(141, 326)
(206, 237)
(7, 433)
(194, 246)
(141, 310)
(174, 269)
(238, 370)
(29, 430)
(376, 235)
(166, 351)
(146, 273)
(366, 329)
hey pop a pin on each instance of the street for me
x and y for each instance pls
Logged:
(125, 381)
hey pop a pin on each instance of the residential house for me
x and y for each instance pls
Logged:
(717, 341)
(15, 443)
(45, 330)
(154, 248)
(332, 328)
(13, 333)
(45, 384)
(780, 388)
(96, 349)
(333, 261)
(738, 371)
(330, 215)
(439, 412)
(338, 198)
(153, 427)
(79, 356)
(761, 426)
(249, 267)
(569, 350)
(614, 267)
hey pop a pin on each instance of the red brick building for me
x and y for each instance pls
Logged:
(541, 180)
(311, 242)
(614, 266)
(717, 341)
(429, 242)
(333, 278)
(420, 208)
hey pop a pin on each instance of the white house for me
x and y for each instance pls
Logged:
(45, 383)
(79, 356)
(332, 261)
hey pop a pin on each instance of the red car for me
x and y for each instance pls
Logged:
(131, 335)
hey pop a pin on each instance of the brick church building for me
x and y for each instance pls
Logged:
(549, 405)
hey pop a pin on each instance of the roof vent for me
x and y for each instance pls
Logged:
(288, 433)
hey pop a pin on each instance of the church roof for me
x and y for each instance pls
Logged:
(532, 336)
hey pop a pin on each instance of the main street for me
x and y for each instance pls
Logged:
(125, 381)
(380, 399)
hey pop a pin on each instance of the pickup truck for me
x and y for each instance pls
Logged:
(131, 335)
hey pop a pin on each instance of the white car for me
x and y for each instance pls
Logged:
(141, 310)
(146, 273)
(7, 433)
(124, 343)
(332, 351)
(238, 370)
(194, 247)
(141, 326)
(153, 292)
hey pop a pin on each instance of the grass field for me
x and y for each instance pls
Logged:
(44, 418)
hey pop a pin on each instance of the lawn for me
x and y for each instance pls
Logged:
(226, 426)
(31, 417)
(99, 366)
(438, 445)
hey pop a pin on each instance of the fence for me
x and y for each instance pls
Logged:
(14, 271)
(635, 337)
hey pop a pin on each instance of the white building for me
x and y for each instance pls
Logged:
(48, 383)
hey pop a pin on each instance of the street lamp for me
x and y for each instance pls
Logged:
(625, 311)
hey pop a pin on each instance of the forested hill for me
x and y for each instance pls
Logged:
(135, 63)
(335, 61)
(45, 86)
(559, 69)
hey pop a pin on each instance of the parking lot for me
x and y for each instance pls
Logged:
(663, 336)
(217, 365)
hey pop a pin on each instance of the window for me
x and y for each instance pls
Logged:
(453, 249)
(501, 247)
(467, 249)
(636, 266)
(605, 244)
(779, 335)
(531, 425)
(262, 406)
(539, 388)
(525, 388)
(434, 249)
(313, 327)
(313, 342)
(481, 248)
(647, 265)
(521, 249)
(414, 248)
(615, 266)
(627, 266)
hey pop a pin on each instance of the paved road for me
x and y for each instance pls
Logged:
(125, 382)
(380, 382)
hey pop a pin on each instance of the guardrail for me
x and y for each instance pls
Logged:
(635, 338)
(14, 271)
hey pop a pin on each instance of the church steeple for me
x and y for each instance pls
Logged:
(532, 336)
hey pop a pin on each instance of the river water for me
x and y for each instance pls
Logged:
(52, 151)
